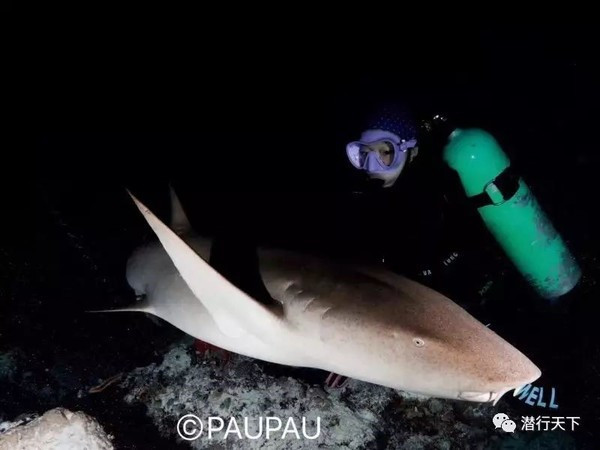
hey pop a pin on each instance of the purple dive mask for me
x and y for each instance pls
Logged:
(363, 158)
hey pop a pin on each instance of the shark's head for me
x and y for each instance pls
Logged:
(427, 344)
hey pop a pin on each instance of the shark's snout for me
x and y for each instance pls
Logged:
(496, 392)
(503, 371)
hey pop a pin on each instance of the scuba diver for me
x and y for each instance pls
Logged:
(401, 178)
(408, 207)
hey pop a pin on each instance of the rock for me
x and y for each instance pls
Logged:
(357, 416)
(435, 406)
(58, 428)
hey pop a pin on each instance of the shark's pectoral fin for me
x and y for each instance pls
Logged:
(234, 312)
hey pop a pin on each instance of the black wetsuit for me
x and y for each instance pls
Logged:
(235, 257)
(425, 227)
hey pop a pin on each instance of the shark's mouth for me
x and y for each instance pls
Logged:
(474, 396)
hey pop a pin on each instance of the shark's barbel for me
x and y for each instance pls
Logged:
(362, 322)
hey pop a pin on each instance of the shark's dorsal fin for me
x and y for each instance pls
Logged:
(179, 220)
(234, 312)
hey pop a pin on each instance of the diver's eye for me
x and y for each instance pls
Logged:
(386, 153)
(419, 342)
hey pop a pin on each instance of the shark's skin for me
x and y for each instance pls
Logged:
(362, 322)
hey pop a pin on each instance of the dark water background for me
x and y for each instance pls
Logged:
(266, 155)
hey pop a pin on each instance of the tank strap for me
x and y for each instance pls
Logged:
(499, 190)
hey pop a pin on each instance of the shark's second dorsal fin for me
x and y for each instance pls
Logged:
(179, 220)
(234, 312)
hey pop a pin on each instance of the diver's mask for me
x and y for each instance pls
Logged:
(381, 154)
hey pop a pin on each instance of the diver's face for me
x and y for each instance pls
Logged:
(384, 149)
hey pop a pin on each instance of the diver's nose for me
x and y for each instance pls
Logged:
(371, 162)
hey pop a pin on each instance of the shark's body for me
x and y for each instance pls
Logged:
(362, 322)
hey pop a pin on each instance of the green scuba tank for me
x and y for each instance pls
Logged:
(511, 212)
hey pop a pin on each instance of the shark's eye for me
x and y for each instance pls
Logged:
(419, 342)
